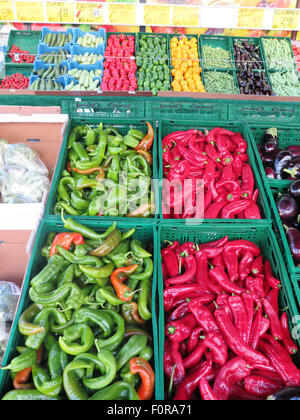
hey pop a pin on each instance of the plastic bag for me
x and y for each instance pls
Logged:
(22, 186)
(9, 297)
(3, 147)
(23, 156)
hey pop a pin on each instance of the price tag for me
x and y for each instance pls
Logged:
(251, 18)
(63, 12)
(89, 13)
(157, 15)
(122, 14)
(185, 16)
(30, 11)
(286, 19)
(6, 11)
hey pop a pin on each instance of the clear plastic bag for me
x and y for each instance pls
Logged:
(9, 296)
(4, 335)
(23, 156)
(22, 186)
(3, 147)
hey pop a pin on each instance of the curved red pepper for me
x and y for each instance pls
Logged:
(240, 317)
(274, 320)
(171, 262)
(191, 382)
(261, 386)
(287, 340)
(233, 209)
(181, 329)
(232, 265)
(206, 391)
(247, 187)
(241, 246)
(270, 279)
(219, 276)
(65, 240)
(246, 265)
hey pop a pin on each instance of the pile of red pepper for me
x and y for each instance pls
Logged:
(19, 56)
(119, 65)
(15, 81)
(224, 337)
(296, 51)
(219, 158)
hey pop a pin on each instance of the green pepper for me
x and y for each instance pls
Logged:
(137, 249)
(73, 259)
(81, 250)
(80, 152)
(99, 153)
(109, 295)
(69, 344)
(118, 391)
(138, 134)
(50, 387)
(98, 317)
(25, 324)
(27, 395)
(66, 207)
(131, 349)
(76, 134)
(95, 205)
(73, 293)
(72, 387)
(62, 187)
(143, 299)
(49, 272)
(98, 272)
(25, 360)
(147, 273)
(131, 141)
(116, 339)
(110, 243)
(91, 137)
(116, 150)
(86, 232)
(114, 169)
(77, 202)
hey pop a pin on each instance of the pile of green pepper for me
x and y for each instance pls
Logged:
(107, 174)
(152, 61)
(85, 331)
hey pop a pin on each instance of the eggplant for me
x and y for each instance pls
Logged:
(286, 394)
(270, 172)
(294, 149)
(281, 160)
(292, 168)
(294, 190)
(268, 161)
(271, 135)
(270, 148)
(293, 236)
(287, 207)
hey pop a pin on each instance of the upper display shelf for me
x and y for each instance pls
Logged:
(159, 13)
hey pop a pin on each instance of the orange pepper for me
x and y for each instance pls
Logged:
(144, 369)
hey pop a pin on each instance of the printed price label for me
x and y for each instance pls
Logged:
(30, 11)
(89, 13)
(185, 16)
(251, 18)
(286, 19)
(122, 14)
(6, 11)
(60, 12)
(157, 15)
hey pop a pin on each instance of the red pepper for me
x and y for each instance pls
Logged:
(179, 312)
(171, 262)
(206, 391)
(232, 265)
(203, 316)
(189, 384)
(240, 143)
(287, 340)
(219, 276)
(272, 297)
(65, 240)
(185, 291)
(257, 266)
(235, 342)
(274, 320)
(233, 209)
(270, 279)
(246, 265)
(230, 186)
(261, 386)
(217, 346)
(247, 182)
(248, 302)
(241, 246)
(213, 211)
(192, 158)
(210, 170)
(173, 357)
(147, 141)
(240, 317)
(195, 356)
(179, 171)
(282, 363)
(202, 270)
(233, 372)
(212, 153)
(194, 339)
(180, 330)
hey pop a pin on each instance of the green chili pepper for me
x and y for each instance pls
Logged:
(116, 339)
(81, 250)
(50, 387)
(79, 331)
(108, 294)
(99, 153)
(73, 293)
(110, 243)
(74, 226)
(118, 391)
(137, 249)
(138, 134)
(128, 234)
(91, 137)
(78, 202)
(76, 134)
(98, 317)
(131, 141)
(25, 360)
(73, 259)
(143, 298)
(27, 395)
(146, 353)
(62, 191)
(72, 387)
(131, 349)
(80, 151)
(49, 272)
(98, 273)
(147, 273)
(114, 169)
(95, 205)
(26, 327)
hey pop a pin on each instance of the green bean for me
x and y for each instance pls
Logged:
(278, 54)
(285, 83)
(216, 57)
(220, 82)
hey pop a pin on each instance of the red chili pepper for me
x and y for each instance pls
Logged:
(147, 141)
(230, 374)
(241, 246)
(219, 276)
(189, 384)
(171, 262)
(247, 182)
(181, 329)
(248, 302)
(179, 312)
(240, 143)
(65, 240)
(194, 358)
(235, 342)
(246, 265)
(203, 316)
(173, 357)
(232, 265)
(213, 211)
(192, 158)
(233, 209)
(202, 270)
(206, 391)
(261, 386)
(270, 279)
(185, 291)
(240, 317)
(217, 346)
(287, 340)
(274, 320)
(194, 339)
(257, 266)
(212, 153)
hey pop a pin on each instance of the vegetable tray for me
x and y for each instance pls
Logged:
(254, 40)
(167, 127)
(293, 62)
(146, 233)
(46, 31)
(262, 236)
(122, 126)
(216, 41)
(9, 69)
(25, 40)
(231, 72)
(77, 33)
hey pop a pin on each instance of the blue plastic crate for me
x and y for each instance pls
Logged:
(46, 31)
(77, 50)
(44, 49)
(39, 64)
(89, 67)
(69, 80)
(61, 80)
(78, 33)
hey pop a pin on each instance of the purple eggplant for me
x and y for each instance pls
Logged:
(291, 168)
(281, 160)
(294, 190)
(293, 236)
(271, 135)
(268, 161)
(270, 172)
(294, 149)
(270, 148)
(287, 207)
(286, 394)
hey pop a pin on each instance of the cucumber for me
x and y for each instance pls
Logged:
(70, 37)
(49, 85)
(46, 39)
(38, 85)
(41, 72)
(42, 85)
(51, 75)
(57, 71)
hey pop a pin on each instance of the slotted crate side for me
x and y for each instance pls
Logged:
(146, 233)
(262, 236)
(25, 40)
(288, 134)
(216, 41)
(166, 127)
(123, 126)
(274, 112)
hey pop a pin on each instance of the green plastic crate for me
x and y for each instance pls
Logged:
(149, 35)
(253, 40)
(288, 134)
(291, 65)
(274, 112)
(167, 127)
(123, 126)
(260, 235)
(280, 232)
(230, 72)
(216, 41)
(147, 234)
(113, 108)
(25, 40)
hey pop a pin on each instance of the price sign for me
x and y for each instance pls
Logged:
(30, 11)
(89, 13)
(122, 14)
(251, 18)
(6, 11)
(185, 16)
(157, 15)
(60, 12)
(286, 19)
